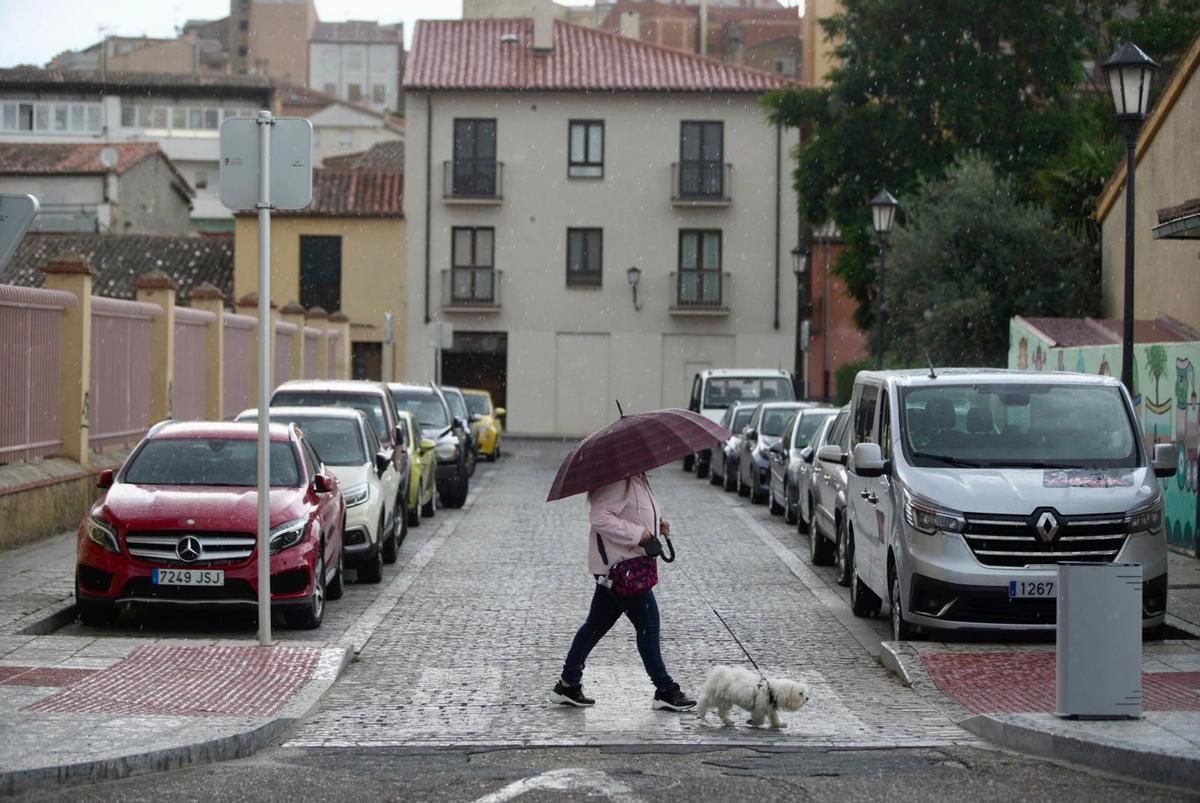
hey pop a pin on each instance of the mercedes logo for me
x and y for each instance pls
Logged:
(189, 549)
(1046, 526)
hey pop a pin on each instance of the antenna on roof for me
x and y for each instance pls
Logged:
(932, 373)
(619, 410)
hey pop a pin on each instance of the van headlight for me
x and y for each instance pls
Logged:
(357, 495)
(926, 517)
(103, 534)
(1148, 518)
(446, 451)
(287, 535)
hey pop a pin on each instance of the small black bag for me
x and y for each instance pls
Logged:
(654, 549)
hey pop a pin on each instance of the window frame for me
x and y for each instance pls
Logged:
(586, 278)
(587, 162)
(470, 186)
(702, 125)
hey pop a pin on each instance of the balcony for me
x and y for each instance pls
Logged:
(472, 181)
(474, 290)
(701, 183)
(701, 293)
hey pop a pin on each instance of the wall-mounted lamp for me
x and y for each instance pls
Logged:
(634, 275)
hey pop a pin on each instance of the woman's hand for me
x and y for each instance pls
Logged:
(646, 536)
(664, 527)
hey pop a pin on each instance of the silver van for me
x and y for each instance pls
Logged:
(713, 390)
(967, 487)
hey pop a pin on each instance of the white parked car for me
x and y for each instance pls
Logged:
(716, 389)
(346, 443)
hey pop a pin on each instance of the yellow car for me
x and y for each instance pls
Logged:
(422, 475)
(485, 422)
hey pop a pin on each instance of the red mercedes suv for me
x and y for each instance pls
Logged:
(176, 526)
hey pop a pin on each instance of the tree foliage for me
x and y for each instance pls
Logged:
(970, 257)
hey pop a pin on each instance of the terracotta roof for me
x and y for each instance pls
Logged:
(300, 100)
(387, 157)
(469, 54)
(184, 84)
(351, 193)
(120, 259)
(1185, 209)
(83, 158)
(358, 32)
(1068, 332)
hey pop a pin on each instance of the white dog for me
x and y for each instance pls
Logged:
(728, 686)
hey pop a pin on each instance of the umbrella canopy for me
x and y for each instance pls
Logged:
(631, 445)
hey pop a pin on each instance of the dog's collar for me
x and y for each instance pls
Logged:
(770, 693)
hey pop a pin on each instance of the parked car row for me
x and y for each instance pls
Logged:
(352, 466)
(951, 496)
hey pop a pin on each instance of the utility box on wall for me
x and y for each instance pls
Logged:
(1099, 647)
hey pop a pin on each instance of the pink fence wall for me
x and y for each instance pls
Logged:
(312, 345)
(190, 389)
(238, 370)
(334, 345)
(286, 335)
(29, 364)
(119, 395)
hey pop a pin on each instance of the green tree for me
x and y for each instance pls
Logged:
(970, 256)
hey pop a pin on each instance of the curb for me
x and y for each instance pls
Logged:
(903, 661)
(223, 748)
(1162, 768)
(51, 622)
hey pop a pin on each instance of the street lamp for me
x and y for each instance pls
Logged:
(634, 274)
(883, 216)
(1129, 72)
(800, 255)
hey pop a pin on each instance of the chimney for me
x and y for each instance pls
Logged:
(631, 25)
(543, 25)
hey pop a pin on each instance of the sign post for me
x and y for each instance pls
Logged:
(256, 175)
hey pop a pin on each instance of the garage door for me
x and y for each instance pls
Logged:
(582, 401)
(683, 356)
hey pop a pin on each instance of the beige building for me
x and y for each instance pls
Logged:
(818, 50)
(270, 37)
(550, 177)
(1166, 268)
(188, 53)
(344, 253)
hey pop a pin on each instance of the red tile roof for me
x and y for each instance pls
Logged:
(386, 156)
(1069, 332)
(358, 32)
(83, 158)
(469, 55)
(354, 193)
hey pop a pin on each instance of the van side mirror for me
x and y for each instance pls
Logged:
(322, 484)
(500, 412)
(105, 480)
(807, 454)
(751, 435)
(427, 445)
(776, 449)
(868, 460)
(831, 454)
(1166, 460)
(383, 459)
(400, 436)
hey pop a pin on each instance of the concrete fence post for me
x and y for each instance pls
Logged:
(294, 313)
(158, 288)
(248, 305)
(70, 273)
(318, 318)
(341, 322)
(210, 299)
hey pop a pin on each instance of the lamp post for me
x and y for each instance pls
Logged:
(800, 259)
(634, 275)
(883, 216)
(1129, 72)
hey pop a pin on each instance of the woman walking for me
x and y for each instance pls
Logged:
(623, 517)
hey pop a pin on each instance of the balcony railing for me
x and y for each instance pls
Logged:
(701, 183)
(701, 292)
(471, 289)
(479, 181)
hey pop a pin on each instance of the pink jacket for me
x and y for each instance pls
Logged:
(620, 512)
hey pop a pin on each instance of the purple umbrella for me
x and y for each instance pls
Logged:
(631, 445)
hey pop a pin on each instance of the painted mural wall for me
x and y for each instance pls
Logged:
(1166, 400)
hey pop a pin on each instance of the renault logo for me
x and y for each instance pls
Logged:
(1046, 526)
(189, 549)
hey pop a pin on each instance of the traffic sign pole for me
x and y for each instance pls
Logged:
(265, 121)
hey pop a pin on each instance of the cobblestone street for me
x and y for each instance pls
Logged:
(470, 651)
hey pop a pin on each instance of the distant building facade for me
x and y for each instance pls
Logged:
(270, 37)
(358, 62)
(340, 127)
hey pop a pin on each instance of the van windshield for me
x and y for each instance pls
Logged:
(724, 391)
(1023, 426)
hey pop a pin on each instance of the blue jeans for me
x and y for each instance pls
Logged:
(606, 609)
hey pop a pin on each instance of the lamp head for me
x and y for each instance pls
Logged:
(1130, 71)
(883, 212)
(634, 275)
(800, 255)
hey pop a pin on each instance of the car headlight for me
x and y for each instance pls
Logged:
(287, 535)
(446, 451)
(1148, 518)
(357, 495)
(102, 534)
(926, 517)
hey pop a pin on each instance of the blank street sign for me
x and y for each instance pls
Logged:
(16, 215)
(291, 163)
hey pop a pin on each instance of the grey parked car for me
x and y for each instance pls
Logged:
(825, 509)
(783, 495)
(462, 422)
(765, 428)
(723, 468)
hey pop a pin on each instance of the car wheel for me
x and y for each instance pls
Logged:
(790, 515)
(845, 555)
(390, 545)
(713, 478)
(400, 521)
(472, 459)
(310, 618)
(429, 509)
(702, 468)
(728, 479)
(413, 515)
(742, 489)
(757, 497)
(775, 508)
(820, 552)
(901, 630)
(689, 463)
(456, 496)
(863, 602)
(337, 587)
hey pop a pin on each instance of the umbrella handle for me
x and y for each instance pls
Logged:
(670, 547)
